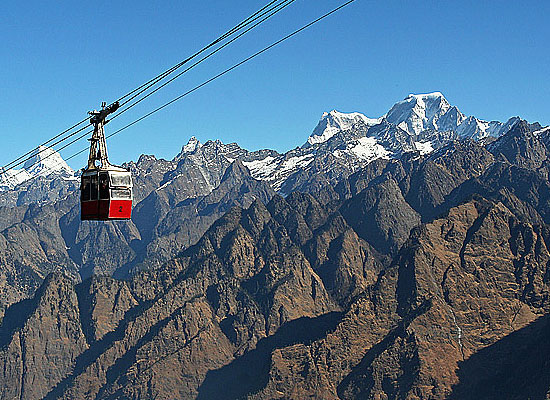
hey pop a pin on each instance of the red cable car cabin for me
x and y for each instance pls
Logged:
(105, 190)
(106, 194)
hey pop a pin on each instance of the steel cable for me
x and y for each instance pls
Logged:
(209, 80)
(258, 14)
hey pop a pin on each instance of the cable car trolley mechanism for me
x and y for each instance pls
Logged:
(105, 189)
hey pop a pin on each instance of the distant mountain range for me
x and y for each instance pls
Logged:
(345, 141)
(177, 200)
(400, 257)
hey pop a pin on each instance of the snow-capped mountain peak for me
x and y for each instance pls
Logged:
(12, 177)
(420, 112)
(541, 131)
(45, 161)
(340, 144)
(428, 97)
(477, 129)
(192, 145)
(333, 122)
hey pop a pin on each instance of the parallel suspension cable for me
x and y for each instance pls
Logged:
(274, 11)
(258, 14)
(210, 80)
(218, 40)
(34, 152)
(10, 164)
(255, 16)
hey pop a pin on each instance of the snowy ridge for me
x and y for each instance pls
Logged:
(478, 129)
(333, 122)
(192, 145)
(11, 178)
(44, 162)
(541, 131)
(348, 141)
(340, 144)
(262, 169)
(417, 113)
(424, 147)
(365, 149)
(432, 112)
(277, 170)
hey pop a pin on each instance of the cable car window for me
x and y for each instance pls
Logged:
(93, 187)
(85, 194)
(104, 186)
(124, 194)
(122, 179)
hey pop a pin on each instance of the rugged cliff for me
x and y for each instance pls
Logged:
(424, 277)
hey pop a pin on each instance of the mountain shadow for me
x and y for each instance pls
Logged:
(515, 367)
(249, 373)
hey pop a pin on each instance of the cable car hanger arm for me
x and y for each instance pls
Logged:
(98, 146)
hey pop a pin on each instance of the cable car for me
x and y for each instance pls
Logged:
(105, 189)
(106, 194)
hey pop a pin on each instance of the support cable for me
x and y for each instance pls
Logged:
(258, 14)
(207, 81)
(10, 164)
(236, 28)
(201, 60)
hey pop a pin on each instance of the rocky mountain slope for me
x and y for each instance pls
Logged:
(348, 142)
(44, 178)
(37, 239)
(423, 276)
(42, 162)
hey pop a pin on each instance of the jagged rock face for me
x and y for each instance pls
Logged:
(381, 216)
(29, 251)
(272, 303)
(39, 239)
(183, 224)
(353, 298)
(231, 292)
(520, 147)
(41, 190)
(403, 280)
(443, 172)
(177, 200)
(453, 291)
(41, 340)
(103, 302)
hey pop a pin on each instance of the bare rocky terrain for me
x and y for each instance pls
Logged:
(423, 277)
(404, 257)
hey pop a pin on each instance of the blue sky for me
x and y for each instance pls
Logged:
(61, 59)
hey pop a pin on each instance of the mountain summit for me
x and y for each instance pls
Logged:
(420, 112)
(339, 145)
(419, 115)
(333, 122)
(421, 277)
(43, 162)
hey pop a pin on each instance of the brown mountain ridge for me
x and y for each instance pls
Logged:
(420, 278)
